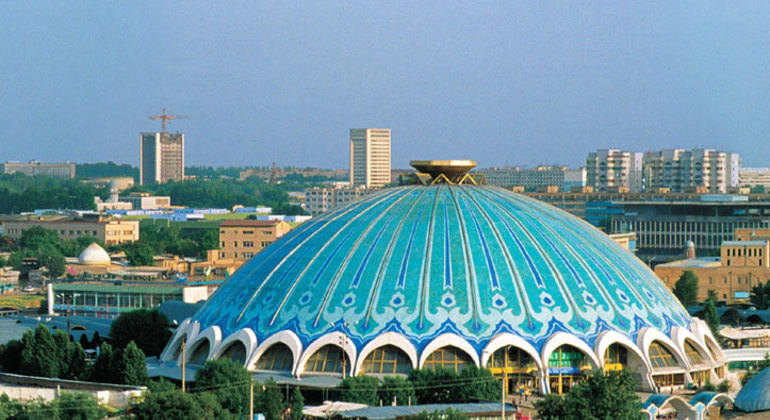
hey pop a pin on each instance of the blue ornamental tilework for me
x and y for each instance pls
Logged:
(422, 261)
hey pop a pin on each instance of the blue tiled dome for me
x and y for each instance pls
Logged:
(474, 261)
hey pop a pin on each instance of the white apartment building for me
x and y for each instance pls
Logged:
(540, 176)
(690, 170)
(754, 177)
(369, 157)
(614, 170)
(321, 200)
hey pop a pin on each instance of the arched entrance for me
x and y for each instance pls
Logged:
(567, 365)
(666, 370)
(516, 368)
(328, 359)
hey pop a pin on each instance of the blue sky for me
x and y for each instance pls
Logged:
(523, 82)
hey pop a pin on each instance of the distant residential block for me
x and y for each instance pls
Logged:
(613, 170)
(64, 170)
(702, 170)
(321, 200)
(754, 177)
(542, 176)
(369, 157)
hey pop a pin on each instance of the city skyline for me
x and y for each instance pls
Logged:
(530, 83)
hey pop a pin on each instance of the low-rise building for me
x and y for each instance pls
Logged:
(108, 231)
(110, 298)
(242, 239)
(561, 177)
(742, 264)
(144, 201)
(64, 170)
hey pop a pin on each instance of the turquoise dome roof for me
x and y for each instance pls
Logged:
(425, 260)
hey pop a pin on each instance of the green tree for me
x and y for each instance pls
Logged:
(760, 295)
(39, 355)
(169, 406)
(711, 317)
(297, 404)
(477, 385)
(147, 328)
(161, 385)
(600, 396)
(139, 254)
(686, 288)
(437, 386)
(76, 406)
(360, 389)
(396, 388)
(134, 368)
(53, 261)
(101, 369)
(228, 381)
(10, 356)
(552, 407)
(271, 401)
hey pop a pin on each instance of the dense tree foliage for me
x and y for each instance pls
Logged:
(360, 389)
(600, 396)
(48, 248)
(760, 295)
(133, 369)
(271, 401)
(20, 193)
(228, 381)
(106, 170)
(148, 328)
(165, 237)
(67, 406)
(686, 288)
(396, 389)
(296, 404)
(170, 406)
(447, 414)
(711, 317)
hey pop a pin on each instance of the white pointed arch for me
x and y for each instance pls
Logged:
(245, 335)
(388, 338)
(335, 338)
(285, 337)
(167, 354)
(561, 338)
(701, 329)
(448, 339)
(681, 335)
(214, 336)
(647, 335)
(607, 338)
(508, 339)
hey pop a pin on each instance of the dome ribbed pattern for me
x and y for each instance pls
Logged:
(422, 261)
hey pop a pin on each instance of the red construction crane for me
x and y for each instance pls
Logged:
(165, 117)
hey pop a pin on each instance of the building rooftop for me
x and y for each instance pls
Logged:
(249, 223)
(703, 262)
(743, 243)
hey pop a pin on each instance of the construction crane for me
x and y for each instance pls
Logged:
(166, 117)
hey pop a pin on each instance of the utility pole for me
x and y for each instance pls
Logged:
(184, 364)
(251, 398)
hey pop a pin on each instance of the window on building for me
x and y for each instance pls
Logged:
(661, 357)
(278, 357)
(693, 356)
(328, 359)
(387, 360)
(448, 357)
(235, 244)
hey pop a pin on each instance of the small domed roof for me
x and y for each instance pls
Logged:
(755, 395)
(94, 255)
(689, 244)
